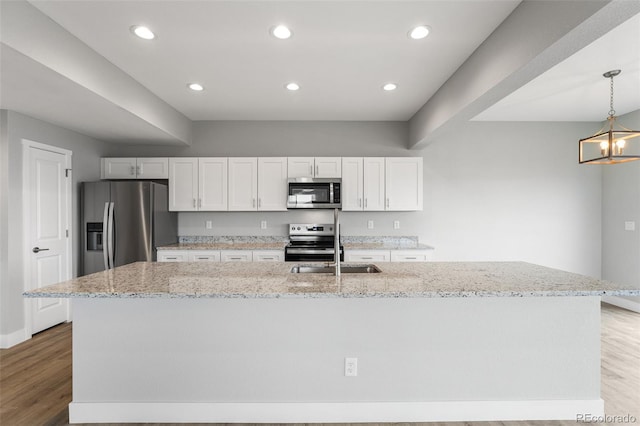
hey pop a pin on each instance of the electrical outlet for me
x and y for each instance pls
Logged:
(208, 224)
(263, 224)
(630, 226)
(396, 224)
(369, 224)
(351, 367)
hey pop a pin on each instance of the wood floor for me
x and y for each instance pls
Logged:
(35, 376)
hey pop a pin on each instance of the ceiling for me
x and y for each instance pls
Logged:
(103, 81)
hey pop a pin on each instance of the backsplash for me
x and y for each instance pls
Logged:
(400, 242)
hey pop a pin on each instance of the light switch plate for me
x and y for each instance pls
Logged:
(369, 224)
(396, 224)
(263, 224)
(208, 224)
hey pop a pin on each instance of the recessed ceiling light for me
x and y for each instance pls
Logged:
(196, 87)
(281, 32)
(292, 86)
(143, 32)
(419, 32)
(389, 87)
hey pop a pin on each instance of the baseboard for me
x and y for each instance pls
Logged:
(622, 303)
(12, 339)
(351, 412)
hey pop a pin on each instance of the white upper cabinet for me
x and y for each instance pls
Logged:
(300, 167)
(403, 183)
(152, 168)
(118, 168)
(272, 183)
(352, 183)
(212, 184)
(183, 184)
(374, 185)
(328, 167)
(134, 168)
(197, 184)
(320, 167)
(243, 183)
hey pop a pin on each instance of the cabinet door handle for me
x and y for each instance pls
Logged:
(253, 202)
(310, 169)
(199, 202)
(194, 202)
(387, 202)
(366, 258)
(410, 258)
(171, 258)
(359, 202)
(139, 170)
(365, 203)
(259, 202)
(133, 171)
(317, 170)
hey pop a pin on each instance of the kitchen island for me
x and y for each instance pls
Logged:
(252, 343)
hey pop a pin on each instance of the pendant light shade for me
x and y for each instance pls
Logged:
(612, 146)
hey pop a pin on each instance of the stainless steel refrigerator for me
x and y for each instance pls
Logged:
(124, 222)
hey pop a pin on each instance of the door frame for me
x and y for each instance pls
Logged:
(27, 145)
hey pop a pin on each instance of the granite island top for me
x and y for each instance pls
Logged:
(273, 280)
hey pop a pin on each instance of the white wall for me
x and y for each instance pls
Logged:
(86, 155)
(493, 191)
(621, 203)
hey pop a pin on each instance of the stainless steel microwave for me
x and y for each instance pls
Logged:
(310, 193)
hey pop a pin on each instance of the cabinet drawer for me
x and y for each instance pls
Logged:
(268, 256)
(411, 255)
(236, 256)
(204, 256)
(172, 256)
(366, 256)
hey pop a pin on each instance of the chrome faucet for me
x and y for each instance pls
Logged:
(336, 239)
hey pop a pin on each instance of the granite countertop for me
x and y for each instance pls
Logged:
(273, 280)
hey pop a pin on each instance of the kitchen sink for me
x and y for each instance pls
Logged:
(345, 269)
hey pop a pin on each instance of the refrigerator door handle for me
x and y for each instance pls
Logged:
(105, 245)
(110, 235)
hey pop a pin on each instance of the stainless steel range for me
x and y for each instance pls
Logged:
(311, 242)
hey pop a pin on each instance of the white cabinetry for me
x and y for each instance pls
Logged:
(403, 183)
(411, 255)
(134, 168)
(243, 183)
(268, 256)
(363, 186)
(374, 186)
(272, 183)
(236, 256)
(352, 183)
(367, 256)
(319, 167)
(173, 256)
(197, 184)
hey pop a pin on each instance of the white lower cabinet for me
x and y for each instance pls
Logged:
(173, 256)
(367, 256)
(204, 256)
(411, 255)
(268, 256)
(236, 256)
(388, 255)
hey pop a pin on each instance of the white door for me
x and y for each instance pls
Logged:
(403, 183)
(212, 183)
(183, 184)
(47, 188)
(243, 183)
(272, 183)
(374, 187)
(300, 167)
(328, 167)
(352, 181)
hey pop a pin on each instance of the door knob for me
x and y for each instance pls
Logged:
(38, 249)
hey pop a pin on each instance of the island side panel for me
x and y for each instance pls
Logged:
(292, 350)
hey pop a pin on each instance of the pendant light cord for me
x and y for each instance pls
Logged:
(612, 111)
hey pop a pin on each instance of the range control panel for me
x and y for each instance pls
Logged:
(311, 229)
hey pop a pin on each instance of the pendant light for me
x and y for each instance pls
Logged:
(614, 145)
